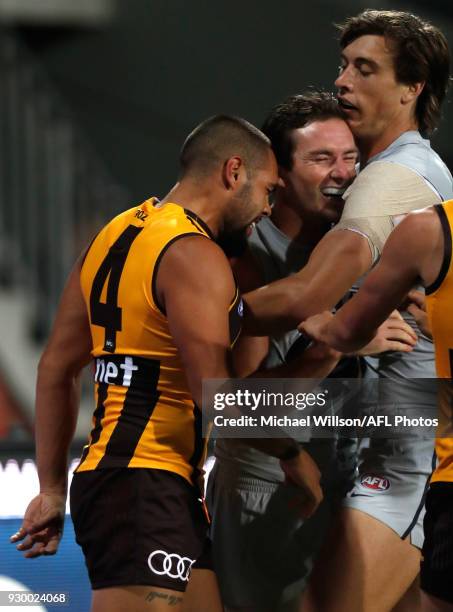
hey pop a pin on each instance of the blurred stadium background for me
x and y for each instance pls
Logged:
(96, 97)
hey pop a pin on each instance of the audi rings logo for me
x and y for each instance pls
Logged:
(170, 564)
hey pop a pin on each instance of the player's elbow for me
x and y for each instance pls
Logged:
(55, 368)
(296, 302)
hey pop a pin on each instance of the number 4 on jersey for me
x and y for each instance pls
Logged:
(108, 314)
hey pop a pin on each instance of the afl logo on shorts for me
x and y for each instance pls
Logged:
(170, 564)
(375, 483)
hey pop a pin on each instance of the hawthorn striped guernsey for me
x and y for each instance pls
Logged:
(439, 302)
(145, 416)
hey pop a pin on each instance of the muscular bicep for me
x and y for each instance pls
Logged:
(413, 244)
(196, 287)
(336, 263)
(69, 347)
(249, 354)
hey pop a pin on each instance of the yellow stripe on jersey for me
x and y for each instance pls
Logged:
(145, 415)
(439, 304)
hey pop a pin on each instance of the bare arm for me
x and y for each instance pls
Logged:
(413, 253)
(336, 263)
(67, 351)
(205, 297)
(197, 312)
(249, 352)
(57, 396)
(196, 301)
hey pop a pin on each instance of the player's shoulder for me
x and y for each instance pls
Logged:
(173, 218)
(196, 254)
(387, 174)
(387, 188)
(194, 267)
(431, 222)
(422, 225)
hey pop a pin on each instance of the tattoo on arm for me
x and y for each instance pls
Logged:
(172, 600)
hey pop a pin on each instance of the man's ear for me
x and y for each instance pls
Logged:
(411, 92)
(233, 172)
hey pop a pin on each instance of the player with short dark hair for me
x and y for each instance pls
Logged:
(263, 549)
(153, 301)
(371, 556)
(216, 139)
(294, 113)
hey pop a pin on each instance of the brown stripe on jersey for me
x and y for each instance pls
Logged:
(447, 250)
(199, 223)
(199, 443)
(198, 227)
(139, 403)
(98, 415)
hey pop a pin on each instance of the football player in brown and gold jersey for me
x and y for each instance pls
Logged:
(153, 301)
(419, 249)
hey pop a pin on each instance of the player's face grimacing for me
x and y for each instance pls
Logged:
(249, 204)
(368, 90)
(323, 167)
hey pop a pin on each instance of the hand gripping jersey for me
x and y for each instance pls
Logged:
(439, 302)
(145, 416)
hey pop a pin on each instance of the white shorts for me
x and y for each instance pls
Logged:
(392, 483)
(263, 551)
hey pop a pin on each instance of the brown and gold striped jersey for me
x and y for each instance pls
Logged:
(144, 415)
(439, 302)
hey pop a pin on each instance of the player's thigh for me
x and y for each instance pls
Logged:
(365, 564)
(262, 549)
(434, 604)
(202, 593)
(137, 527)
(437, 566)
(411, 600)
(136, 599)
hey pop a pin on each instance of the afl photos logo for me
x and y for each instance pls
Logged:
(170, 564)
(375, 483)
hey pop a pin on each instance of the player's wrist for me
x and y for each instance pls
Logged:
(57, 490)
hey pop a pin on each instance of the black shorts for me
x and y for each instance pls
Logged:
(138, 527)
(436, 577)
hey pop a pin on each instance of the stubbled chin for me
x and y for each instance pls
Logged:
(334, 202)
(352, 117)
(335, 207)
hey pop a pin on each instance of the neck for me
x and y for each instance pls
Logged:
(305, 232)
(198, 199)
(372, 145)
